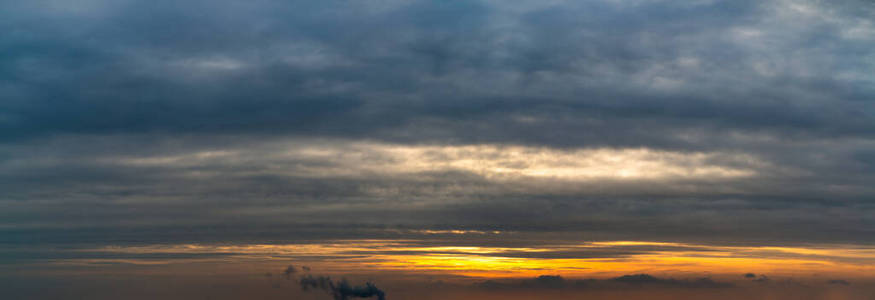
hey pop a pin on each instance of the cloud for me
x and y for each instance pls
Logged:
(289, 271)
(622, 282)
(269, 119)
(540, 282)
(838, 282)
(762, 278)
(147, 132)
(645, 279)
(332, 75)
(341, 290)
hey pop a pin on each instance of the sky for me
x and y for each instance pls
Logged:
(608, 149)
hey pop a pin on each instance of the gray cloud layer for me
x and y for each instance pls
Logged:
(158, 120)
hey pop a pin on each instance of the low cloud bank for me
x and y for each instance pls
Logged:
(558, 282)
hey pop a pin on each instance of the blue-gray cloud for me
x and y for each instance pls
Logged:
(121, 119)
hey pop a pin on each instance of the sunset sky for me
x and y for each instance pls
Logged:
(482, 149)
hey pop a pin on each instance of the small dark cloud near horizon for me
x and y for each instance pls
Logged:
(289, 271)
(838, 282)
(341, 290)
(625, 281)
(646, 279)
(540, 282)
(762, 278)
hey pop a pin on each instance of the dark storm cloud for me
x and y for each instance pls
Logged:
(123, 120)
(345, 69)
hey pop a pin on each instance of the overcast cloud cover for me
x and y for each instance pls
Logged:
(706, 121)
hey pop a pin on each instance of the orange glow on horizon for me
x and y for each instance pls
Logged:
(504, 262)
